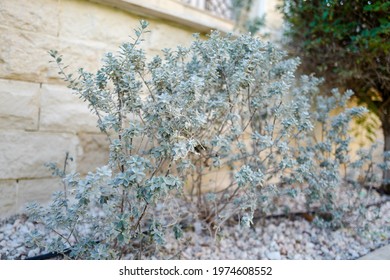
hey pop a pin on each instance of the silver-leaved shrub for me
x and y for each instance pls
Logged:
(224, 122)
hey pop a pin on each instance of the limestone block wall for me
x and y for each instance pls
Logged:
(40, 120)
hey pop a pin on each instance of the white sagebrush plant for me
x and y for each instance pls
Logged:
(226, 104)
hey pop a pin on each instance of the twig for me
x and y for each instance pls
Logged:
(63, 181)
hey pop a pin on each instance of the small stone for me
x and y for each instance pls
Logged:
(325, 250)
(168, 246)
(198, 228)
(271, 228)
(258, 230)
(24, 229)
(240, 244)
(332, 255)
(8, 228)
(266, 238)
(15, 244)
(290, 247)
(298, 246)
(275, 255)
(353, 254)
(21, 251)
(244, 255)
(310, 245)
(274, 246)
(297, 224)
(33, 252)
(298, 257)
(230, 256)
(16, 223)
(30, 226)
(185, 256)
(298, 237)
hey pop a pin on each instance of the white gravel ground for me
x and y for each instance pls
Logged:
(286, 239)
(276, 238)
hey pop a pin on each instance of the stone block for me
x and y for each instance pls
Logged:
(168, 36)
(19, 106)
(38, 190)
(24, 154)
(63, 111)
(7, 198)
(25, 55)
(40, 16)
(94, 152)
(85, 20)
(78, 54)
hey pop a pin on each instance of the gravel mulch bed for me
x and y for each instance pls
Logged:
(274, 238)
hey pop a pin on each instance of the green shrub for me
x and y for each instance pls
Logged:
(230, 105)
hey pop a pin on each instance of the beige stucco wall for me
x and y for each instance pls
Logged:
(40, 120)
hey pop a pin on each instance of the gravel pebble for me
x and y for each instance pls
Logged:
(273, 255)
(33, 252)
(277, 238)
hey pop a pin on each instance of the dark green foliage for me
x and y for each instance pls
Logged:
(348, 42)
(344, 40)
